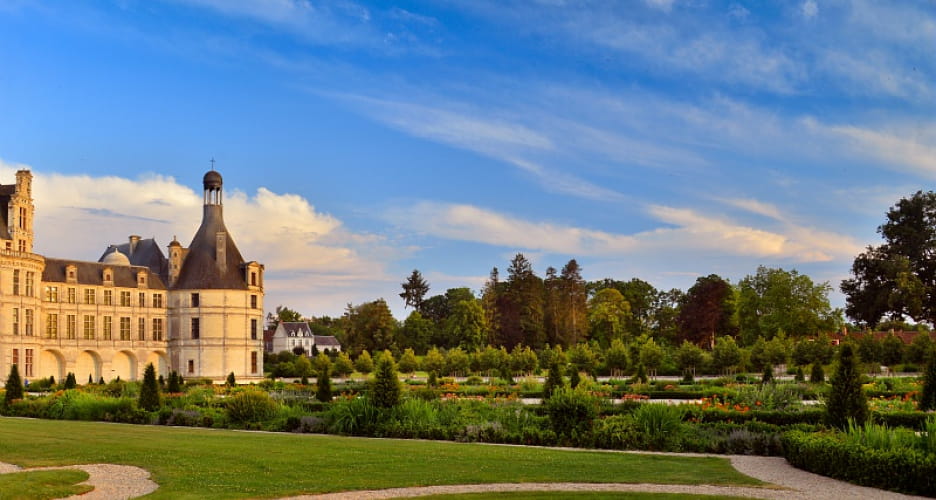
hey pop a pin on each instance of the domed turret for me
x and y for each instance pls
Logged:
(116, 258)
(212, 180)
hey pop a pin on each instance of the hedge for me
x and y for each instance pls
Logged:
(906, 470)
(810, 416)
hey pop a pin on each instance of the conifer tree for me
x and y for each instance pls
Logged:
(386, 385)
(323, 390)
(149, 392)
(847, 400)
(70, 382)
(575, 379)
(553, 380)
(14, 386)
(817, 375)
(174, 384)
(767, 378)
(928, 396)
(231, 381)
(51, 380)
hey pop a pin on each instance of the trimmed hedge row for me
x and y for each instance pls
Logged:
(909, 419)
(907, 470)
(811, 416)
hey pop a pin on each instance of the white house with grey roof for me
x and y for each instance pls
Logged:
(291, 334)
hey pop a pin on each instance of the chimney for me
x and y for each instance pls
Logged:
(134, 239)
(175, 260)
(220, 251)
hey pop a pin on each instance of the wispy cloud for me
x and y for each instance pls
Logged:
(909, 149)
(684, 232)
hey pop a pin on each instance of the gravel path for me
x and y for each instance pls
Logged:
(110, 482)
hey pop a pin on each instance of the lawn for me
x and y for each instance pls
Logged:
(576, 495)
(189, 463)
(42, 484)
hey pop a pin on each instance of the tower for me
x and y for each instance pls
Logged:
(20, 213)
(216, 299)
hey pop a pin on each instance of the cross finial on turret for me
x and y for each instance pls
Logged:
(212, 163)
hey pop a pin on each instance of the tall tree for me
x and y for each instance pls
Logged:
(416, 332)
(707, 311)
(522, 314)
(490, 302)
(371, 326)
(552, 314)
(149, 392)
(608, 315)
(414, 289)
(898, 278)
(283, 313)
(775, 300)
(573, 295)
(466, 327)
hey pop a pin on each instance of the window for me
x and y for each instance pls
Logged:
(125, 299)
(195, 300)
(253, 278)
(142, 299)
(191, 366)
(141, 329)
(28, 330)
(108, 297)
(125, 328)
(71, 326)
(253, 301)
(30, 283)
(16, 320)
(16, 281)
(157, 300)
(157, 329)
(15, 356)
(22, 217)
(89, 296)
(253, 329)
(107, 325)
(72, 296)
(88, 327)
(51, 326)
(51, 294)
(28, 366)
(21, 245)
(253, 361)
(195, 328)
(141, 279)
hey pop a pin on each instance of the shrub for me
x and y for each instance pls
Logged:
(386, 386)
(14, 386)
(660, 423)
(928, 395)
(364, 363)
(553, 380)
(149, 393)
(846, 399)
(230, 381)
(817, 375)
(618, 432)
(70, 382)
(250, 406)
(830, 454)
(354, 416)
(571, 412)
(323, 391)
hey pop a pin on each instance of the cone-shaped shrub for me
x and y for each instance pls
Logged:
(231, 381)
(817, 375)
(928, 396)
(14, 385)
(323, 390)
(553, 380)
(70, 382)
(386, 385)
(847, 400)
(174, 385)
(149, 391)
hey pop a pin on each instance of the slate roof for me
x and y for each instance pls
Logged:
(92, 273)
(325, 341)
(6, 191)
(145, 253)
(296, 328)
(200, 270)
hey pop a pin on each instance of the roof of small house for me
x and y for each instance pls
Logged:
(326, 341)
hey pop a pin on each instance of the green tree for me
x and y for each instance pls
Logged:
(651, 356)
(371, 327)
(364, 363)
(386, 385)
(919, 349)
(465, 327)
(417, 332)
(847, 400)
(521, 306)
(689, 357)
(323, 390)
(897, 278)
(456, 362)
(434, 361)
(869, 349)
(14, 385)
(173, 386)
(302, 368)
(726, 355)
(414, 289)
(817, 375)
(523, 360)
(283, 313)
(343, 365)
(149, 391)
(231, 381)
(892, 351)
(608, 316)
(572, 315)
(775, 300)
(583, 358)
(408, 362)
(322, 363)
(616, 358)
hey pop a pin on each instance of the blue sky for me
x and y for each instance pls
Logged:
(659, 139)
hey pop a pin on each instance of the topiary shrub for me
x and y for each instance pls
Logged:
(323, 390)
(928, 395)
(386, 387)
(817, 374)
(14, 386)
(847, 400)
(554, 380)
(150, 399)
(70, 382)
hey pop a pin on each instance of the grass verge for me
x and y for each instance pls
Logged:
(187, 462)
(43, 484)
(576, 495)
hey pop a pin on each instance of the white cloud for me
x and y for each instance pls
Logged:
(686, 233)
(907, 148)
(313, 262)
(664, 5)
(809, 9)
